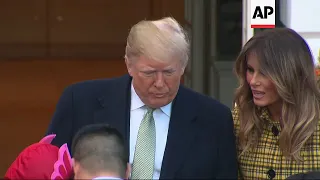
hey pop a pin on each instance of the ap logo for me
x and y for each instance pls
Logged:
(263, 14)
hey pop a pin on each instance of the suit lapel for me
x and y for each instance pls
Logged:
(115, 106)
(181, 134)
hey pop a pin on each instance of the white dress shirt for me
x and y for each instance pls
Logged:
(104, 178)
(161, 117)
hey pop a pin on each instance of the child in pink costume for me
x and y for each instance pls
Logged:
(42, 160)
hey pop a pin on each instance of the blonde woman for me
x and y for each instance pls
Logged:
(276, 116)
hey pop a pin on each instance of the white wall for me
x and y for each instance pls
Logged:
(303, 17)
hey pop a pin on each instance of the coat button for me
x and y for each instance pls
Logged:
(275, 131)
(271, 173)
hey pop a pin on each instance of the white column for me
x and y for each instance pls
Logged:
(247, 31)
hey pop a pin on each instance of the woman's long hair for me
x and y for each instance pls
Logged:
(285, 58)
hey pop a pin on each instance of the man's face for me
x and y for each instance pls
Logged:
(156, 83)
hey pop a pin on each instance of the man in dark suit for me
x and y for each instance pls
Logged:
(170, 131)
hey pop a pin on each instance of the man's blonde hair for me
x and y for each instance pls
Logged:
(161, 40)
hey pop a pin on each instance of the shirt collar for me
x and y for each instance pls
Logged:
(105, 178)
(136, 103)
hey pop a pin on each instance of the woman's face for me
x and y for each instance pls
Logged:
(263, 89)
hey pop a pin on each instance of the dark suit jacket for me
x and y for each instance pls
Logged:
(308, 175)
(200, 142)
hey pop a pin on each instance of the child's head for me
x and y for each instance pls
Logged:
(42, 160)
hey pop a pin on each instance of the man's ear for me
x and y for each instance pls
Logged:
(129, 65)
(183, 68)
(75, 166)
(128, 171)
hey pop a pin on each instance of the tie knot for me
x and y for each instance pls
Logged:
(150, 110)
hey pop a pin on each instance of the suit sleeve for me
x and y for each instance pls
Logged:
(227, 154)
(62, 121)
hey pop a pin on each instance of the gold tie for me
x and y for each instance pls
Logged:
(143, 162)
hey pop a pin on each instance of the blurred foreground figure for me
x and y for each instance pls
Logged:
(42, 160)
(99, 153)
(277, 108)
(170, 131)
(303, 176)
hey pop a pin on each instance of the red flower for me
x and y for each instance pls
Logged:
(317, 71)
